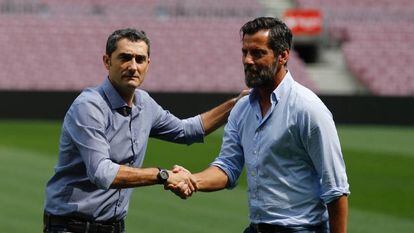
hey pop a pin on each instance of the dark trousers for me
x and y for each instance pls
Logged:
(267, 228)
(62, 224)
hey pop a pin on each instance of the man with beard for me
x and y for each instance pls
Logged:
(286, 138)
(104, 138)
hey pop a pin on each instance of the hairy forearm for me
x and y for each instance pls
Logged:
(128, 177)
(211, 179)
(338, 215)
(217, 116)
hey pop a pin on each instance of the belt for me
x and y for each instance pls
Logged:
(80, 225)
(269, 228)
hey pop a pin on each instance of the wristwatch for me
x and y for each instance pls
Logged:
(162, 176)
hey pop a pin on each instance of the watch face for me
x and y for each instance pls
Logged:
(164, 174)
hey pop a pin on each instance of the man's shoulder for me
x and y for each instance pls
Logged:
(142, 94)
(89, 108)
(241, 104)
(308, 105)
(305, 98)
(88, 98)
(238, 113)
(143, 98)
(243, 101)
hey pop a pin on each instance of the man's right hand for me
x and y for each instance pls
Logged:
(181, 182)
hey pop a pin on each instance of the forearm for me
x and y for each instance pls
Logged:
(211, 179)
(338, 215)
(128, 177)
(217, 116)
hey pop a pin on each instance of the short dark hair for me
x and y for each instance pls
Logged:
(128, 33)
(280, 36)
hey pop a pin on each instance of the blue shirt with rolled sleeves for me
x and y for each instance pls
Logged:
(292, 156)
(96, 139)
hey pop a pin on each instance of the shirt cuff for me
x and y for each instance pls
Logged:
(333, 194)
(194, 130)
(106, 173)
(232, 181)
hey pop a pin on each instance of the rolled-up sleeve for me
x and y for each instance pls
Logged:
(194, 129)
(321, 140)
(168, 127)
(231, 158)
(85, 124)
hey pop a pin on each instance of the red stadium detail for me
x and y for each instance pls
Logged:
(304, 21)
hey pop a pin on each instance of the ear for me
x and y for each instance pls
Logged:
(283, 57)
(107, 61)
(146, 68)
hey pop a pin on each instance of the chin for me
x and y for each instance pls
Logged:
(134, 84)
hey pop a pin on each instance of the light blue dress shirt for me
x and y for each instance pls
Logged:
(96, 139)
(292, 156)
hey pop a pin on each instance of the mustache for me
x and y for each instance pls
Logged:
(250, 68)
(255, 71)
(130, 74)
(259, 70)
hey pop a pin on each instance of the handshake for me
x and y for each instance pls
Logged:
(181, 182)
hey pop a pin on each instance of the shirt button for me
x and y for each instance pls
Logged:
(253, 174)
(254, 152)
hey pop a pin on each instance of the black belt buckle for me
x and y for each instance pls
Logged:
(256, 228)
(262, 228)
(80, 225)
(119, 226)
(92, 227)
(269, 228)
(105, 228)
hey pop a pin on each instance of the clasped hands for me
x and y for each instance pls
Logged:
(181, 182)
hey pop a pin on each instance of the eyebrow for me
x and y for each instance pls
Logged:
(126, 54)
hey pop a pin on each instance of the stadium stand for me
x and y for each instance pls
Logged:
(376, 38)
(58, 45)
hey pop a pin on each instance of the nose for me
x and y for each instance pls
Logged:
(133, 65)
(247, 59)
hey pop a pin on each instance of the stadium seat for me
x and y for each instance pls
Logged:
(376, 38)
(60, 47)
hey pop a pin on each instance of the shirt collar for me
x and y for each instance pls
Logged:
(115, 100)
(283, 88)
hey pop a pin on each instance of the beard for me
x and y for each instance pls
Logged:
(260, 76)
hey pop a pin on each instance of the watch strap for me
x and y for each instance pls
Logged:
(162, 175)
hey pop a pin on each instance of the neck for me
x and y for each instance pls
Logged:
(128, 98)
(265, 92)
(280, 75)
(127, 94)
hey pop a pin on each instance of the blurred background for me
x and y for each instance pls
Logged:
(357, 55)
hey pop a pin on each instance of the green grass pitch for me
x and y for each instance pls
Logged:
(379, 162)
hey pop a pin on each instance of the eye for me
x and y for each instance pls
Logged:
(125, 57)
(140, 59)
(256, 53)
